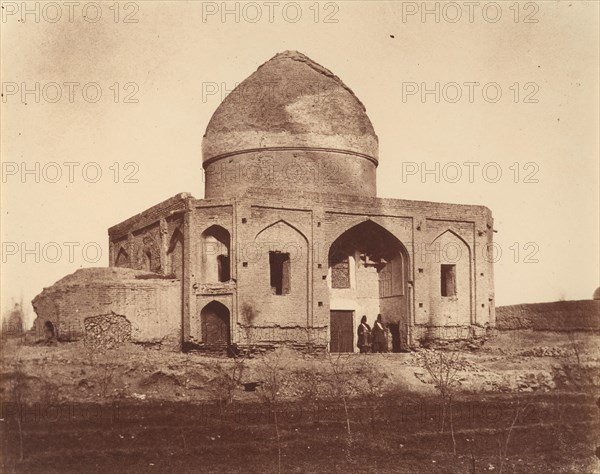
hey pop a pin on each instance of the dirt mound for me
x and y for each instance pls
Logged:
(569, 376)
(160, 381)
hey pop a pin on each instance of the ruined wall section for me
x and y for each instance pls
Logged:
(151, 305)
(581, 315)
(142, 241)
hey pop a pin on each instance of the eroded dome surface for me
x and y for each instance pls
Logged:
(290, 102)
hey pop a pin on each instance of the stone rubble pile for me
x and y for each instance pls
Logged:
(106, 331)
(545, 351)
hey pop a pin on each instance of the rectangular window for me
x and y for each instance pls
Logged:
(279, 264)
(385, 281)
(340, 273)
(448, 280)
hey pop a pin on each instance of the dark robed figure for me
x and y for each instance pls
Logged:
(379, 336)
(364, 336)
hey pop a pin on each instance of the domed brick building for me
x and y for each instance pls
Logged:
(290, 244)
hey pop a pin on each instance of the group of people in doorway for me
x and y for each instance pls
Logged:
(372, 339)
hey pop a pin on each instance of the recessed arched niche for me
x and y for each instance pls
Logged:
(215, 260)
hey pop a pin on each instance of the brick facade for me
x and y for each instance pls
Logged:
(305, 225)
(289, 195)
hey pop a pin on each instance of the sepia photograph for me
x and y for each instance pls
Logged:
(300, 237)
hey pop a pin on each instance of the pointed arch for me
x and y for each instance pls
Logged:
(452, 248)
(450, 231)
(218, 231)
(368, 269)
(215, 259)
(278, 262)
(280, 222)
(176, 236)
(175, 254)
(215, 323)
(147, 255)
(372, 236)
(450, 278)
(49, 330)
(122, 259)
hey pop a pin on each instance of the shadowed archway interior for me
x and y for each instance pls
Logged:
(368, 274)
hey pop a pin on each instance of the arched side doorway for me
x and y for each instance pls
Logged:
(214, 324)
(49, 331)
(368, 275)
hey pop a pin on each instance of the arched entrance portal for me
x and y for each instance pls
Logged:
(214, 321)
(368, 275)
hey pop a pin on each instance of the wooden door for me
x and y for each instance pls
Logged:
(341, 331)
(215, 324)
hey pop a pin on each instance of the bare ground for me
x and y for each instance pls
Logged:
(523, 402)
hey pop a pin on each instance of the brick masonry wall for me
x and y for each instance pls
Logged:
(305, 224)
(148, 233)
(207, 215)
(315, 171)
(151, 305)
(308, 224)
(448, 248)
(276, 229)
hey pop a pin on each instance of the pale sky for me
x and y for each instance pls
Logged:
(545, 124)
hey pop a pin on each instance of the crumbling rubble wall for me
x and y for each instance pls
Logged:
(582, 315)
(148, 303)
(106, 331)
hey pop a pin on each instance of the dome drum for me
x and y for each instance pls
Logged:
(309, 121)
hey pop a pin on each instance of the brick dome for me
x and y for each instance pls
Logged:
(290, 103)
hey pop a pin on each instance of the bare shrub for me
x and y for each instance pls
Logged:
(227, 379)
(310, 381)
(503, 448)
(576, 346)
(443, 368)
(370, 383)
(571, 363)
(272, 369)
(104, 361)
(340, 379)
(229, 374)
